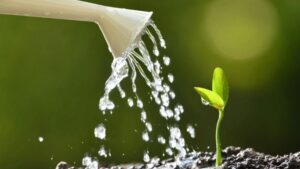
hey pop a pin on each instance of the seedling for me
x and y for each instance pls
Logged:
(217, 98)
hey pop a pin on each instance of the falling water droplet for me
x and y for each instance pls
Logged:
(145, 136)
(155, 51)
(121, 91)
(146, 157)
(163, 112)
(171, 78)
(139, 103)
(93, 165)
(177, 113)
(176, 110)
(165, 99)
(190, 129)
(102, 152)
(177, 118)
(130, 102)
(169, 151)
(180, 107)
(143, 116)
(155, 95)
(163, 43)
(86, 161)
(172, 94)
(170, 113)
(89, 163)
(157, 67)
(149, 126)
(166, 60)
(166, 87)
(106, 104)
(41, 139)
(161, 39)
(100, 132)
(161, 140)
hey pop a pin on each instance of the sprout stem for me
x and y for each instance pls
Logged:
(218, 140)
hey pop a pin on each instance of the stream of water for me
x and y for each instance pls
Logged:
(132, 64)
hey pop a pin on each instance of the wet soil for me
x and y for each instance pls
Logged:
(233, 158)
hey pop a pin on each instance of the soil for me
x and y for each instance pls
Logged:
(233, 158)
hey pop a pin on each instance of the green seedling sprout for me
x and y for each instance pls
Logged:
(217, 98)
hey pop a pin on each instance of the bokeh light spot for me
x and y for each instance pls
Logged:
(240, 29)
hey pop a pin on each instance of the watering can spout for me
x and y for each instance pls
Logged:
(121, 27)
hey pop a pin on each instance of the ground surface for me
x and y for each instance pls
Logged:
(233, 158)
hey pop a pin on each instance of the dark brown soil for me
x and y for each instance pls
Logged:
(233, 158)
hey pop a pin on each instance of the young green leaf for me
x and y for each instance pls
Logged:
(217, 98)
(220, 84)
(211, 97)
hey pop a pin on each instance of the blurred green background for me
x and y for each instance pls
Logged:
(52, 74)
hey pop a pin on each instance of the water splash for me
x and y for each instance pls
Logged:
(135, 59)
(86, 161)
(89, 163)
(119, 72)
(176, 141)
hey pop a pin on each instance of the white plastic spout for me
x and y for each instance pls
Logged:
(121, 27)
